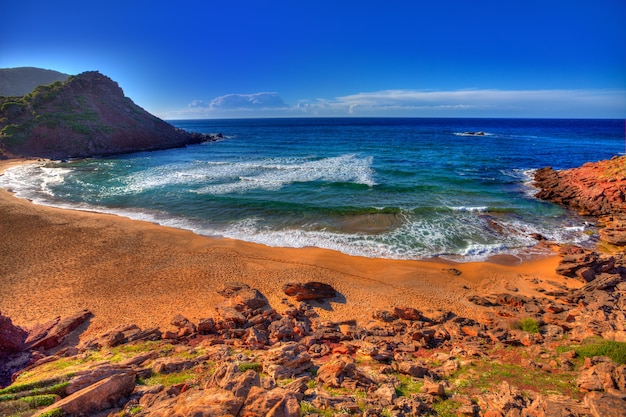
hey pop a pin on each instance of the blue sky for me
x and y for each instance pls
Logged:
(292, 58)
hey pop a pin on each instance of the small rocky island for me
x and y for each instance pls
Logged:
(86, 115)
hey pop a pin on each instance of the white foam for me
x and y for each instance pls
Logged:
(273, 174)
(33, 181)
(471, 209)
(477, 251)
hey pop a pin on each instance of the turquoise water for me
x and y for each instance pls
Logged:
(392, 188)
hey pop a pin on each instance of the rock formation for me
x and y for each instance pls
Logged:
(524, 358)
(594, 189)
(87, 115)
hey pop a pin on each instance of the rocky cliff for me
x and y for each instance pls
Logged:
(87, 115)
(595, 189)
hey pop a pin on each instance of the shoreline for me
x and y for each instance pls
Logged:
(57, 261)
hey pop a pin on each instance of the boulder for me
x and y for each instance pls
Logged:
(278, 402)
(99, 396)
(342, 373)
(604, 405)
(312, 290)
(407, 313)
(615, 234)
(51, 334)
(86, 378)
(287, 360)
(211, 402)
(184, 326)
(12, 337)
(230, 378)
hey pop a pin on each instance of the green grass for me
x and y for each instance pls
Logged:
(527, 324)
(484, 373)
(57, 412)
(174, 378)
(47, 386)
(408, 385)
(446, 408)
(254, 366)
(598, 347)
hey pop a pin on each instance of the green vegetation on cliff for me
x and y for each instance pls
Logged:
(86, 115)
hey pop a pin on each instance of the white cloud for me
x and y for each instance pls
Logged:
(247, 101)
(420, 103)
(473, 103)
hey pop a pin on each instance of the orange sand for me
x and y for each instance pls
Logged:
(55, 262)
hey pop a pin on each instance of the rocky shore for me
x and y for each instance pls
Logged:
(594, 189)
(490, 342)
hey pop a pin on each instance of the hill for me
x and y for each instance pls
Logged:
(87, 115)
(23, 80)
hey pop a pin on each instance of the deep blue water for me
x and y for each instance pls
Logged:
(394, 188)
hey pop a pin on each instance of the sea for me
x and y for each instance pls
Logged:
(397, 188)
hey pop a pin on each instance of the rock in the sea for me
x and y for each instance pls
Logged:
(309, 290)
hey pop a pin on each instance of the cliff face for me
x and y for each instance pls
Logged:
(87, 115)
(594, 189)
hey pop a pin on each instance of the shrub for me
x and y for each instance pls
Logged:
(529, 325)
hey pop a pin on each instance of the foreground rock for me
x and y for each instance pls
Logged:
(247, 359)
(87, 115)
(309, 290)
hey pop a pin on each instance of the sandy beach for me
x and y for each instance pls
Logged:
(54, 262)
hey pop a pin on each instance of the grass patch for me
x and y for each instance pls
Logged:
(254, 366)
(446, 408)
(24, 406)
(483, 374)
(175, 378)
(596, 346)
(46, 386)
(57, 412)
(408, 385)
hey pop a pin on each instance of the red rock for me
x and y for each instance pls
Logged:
(99, 396)
(287, 360)
(604, 405)
(407, 313)
(212, 402)
(309, 291)
(12, 337)
(55, 332)
(278, 402)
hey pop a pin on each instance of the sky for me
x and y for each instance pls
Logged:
(335, 58)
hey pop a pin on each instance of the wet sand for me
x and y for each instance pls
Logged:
(54, 262)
